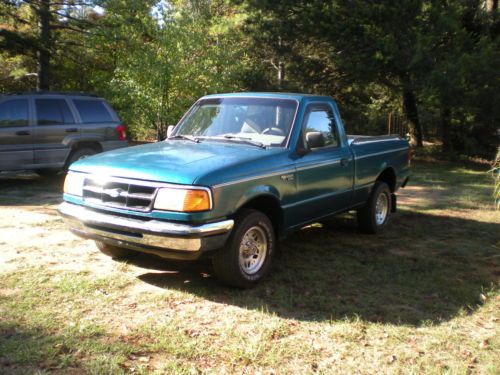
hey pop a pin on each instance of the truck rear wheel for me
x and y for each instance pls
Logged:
(248, 254)
(373, 216)
(114, 251)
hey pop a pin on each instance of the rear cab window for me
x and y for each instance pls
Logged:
(93, 111)
(14, 113)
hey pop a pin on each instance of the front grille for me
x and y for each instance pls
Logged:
(121, 194)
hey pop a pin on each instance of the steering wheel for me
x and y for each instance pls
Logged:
(273, 131)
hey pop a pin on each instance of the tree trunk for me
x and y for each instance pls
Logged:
(445, 128)
(491, 5)
(43, 53)
(411, 113)
(281, 65)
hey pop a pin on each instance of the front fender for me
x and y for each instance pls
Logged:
(257, 192)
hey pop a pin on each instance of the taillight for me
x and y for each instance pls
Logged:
(122, 132)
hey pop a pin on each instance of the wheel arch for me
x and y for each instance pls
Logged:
(388, 175)
(267, 203)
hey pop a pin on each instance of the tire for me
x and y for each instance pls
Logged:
(80, 153)
(115, 252)
(244, 266)
(372, 217)
(47, 172)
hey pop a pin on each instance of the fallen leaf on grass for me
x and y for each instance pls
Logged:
(484, 344)
(192, 332)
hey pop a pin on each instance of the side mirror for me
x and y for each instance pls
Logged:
(170, 129)
(315, 139)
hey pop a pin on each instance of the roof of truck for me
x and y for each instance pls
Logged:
(274, 95)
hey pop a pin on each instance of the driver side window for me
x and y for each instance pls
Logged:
(320, 119)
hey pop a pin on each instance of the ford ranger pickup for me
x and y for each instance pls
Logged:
(236, 174)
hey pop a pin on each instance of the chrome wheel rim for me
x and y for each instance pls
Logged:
(381, 209)
(253, 250)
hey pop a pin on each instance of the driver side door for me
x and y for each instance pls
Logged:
(16, 138)
(324, 174)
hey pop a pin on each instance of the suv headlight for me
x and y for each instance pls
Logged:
(183, 200)
(73, 184)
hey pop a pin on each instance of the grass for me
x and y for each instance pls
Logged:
(422, 297)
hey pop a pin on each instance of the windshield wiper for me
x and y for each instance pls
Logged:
(245, 140)
(186, 137)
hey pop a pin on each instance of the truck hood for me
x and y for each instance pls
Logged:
(178, 162)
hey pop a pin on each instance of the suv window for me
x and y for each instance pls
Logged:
(14, 113)
(92, 111)
(319, 118)
(53, 112)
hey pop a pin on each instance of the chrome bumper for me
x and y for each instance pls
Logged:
(153, 236)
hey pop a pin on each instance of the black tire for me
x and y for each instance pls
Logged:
(80, 153)
(368, 221)
(47, 172)
(115, 252)
(226, 262)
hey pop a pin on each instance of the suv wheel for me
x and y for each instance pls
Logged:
(80, 153)
(375, 214)
(114, 251)
(248, 254)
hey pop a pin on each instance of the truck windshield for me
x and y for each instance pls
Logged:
(259, 121)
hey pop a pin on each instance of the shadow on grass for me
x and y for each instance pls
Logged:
(27, 188)
(422, 269)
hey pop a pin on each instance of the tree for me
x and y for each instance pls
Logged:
(44, 19)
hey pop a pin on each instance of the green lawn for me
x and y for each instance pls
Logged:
(422, 297)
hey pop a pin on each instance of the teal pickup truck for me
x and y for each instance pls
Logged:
(237, 173)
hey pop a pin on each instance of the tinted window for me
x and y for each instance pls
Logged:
(14, 113)
(92, 111)
(53, 112)
(320, 119)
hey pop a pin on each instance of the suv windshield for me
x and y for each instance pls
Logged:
(259, 121)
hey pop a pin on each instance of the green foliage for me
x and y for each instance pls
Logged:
(433, 62)
(495, 171)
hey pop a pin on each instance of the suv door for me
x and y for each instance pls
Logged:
(324, 175)
(54, 123)
(16, 145)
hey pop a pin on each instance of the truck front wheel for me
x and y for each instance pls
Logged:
(373, 216)
(248, 254)
(114, 251)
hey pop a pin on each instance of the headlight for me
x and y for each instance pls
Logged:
(73, 184)
(183, 200)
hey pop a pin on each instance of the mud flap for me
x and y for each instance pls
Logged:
(394, 203)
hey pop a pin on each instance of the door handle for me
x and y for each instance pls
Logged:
(23, 132)
(344, 162)
(71, 130)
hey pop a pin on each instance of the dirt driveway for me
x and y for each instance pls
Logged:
(421, 296)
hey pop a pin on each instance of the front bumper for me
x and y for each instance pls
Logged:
(166, 239)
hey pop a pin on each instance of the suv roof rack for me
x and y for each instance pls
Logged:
(76, 93)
